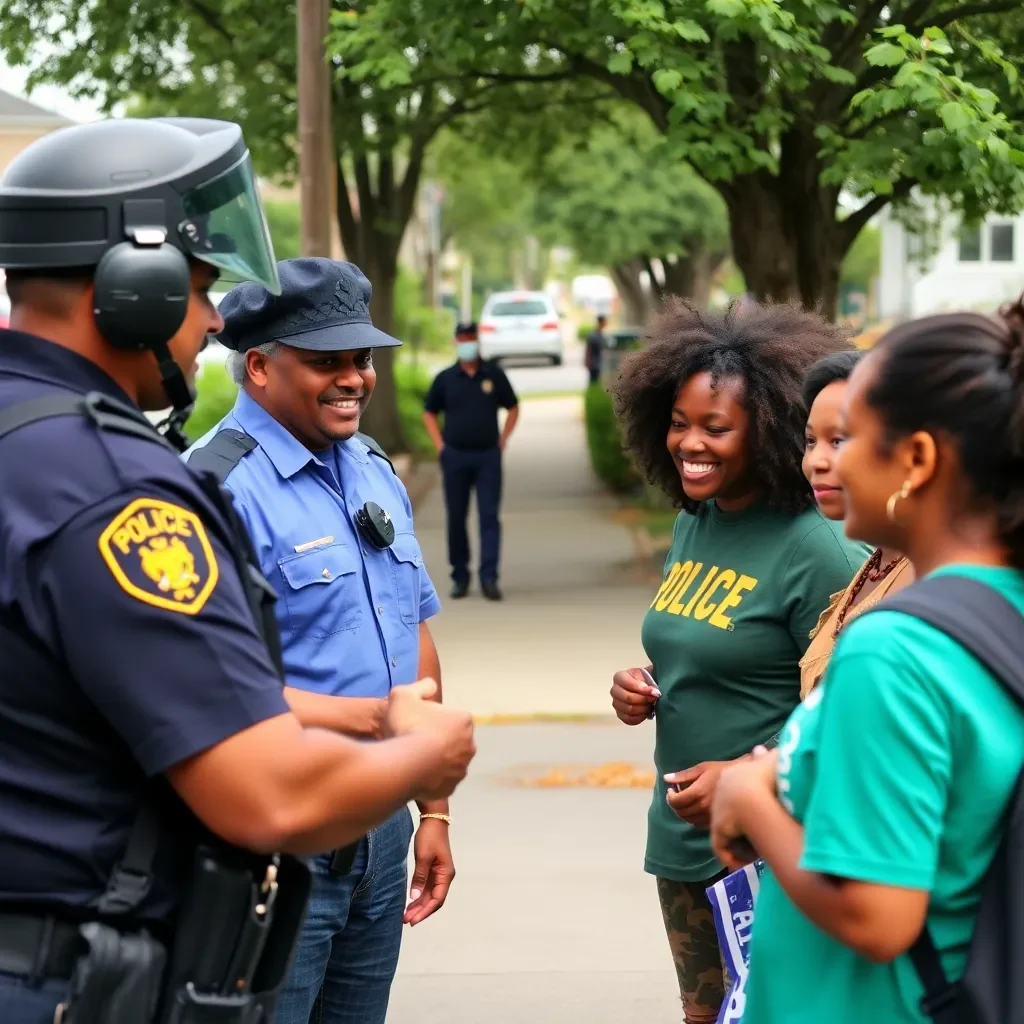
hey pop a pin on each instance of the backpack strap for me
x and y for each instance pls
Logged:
(226, 450)
(376, 449)
(987, 625)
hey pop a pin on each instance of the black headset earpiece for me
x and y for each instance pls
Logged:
(142, 293)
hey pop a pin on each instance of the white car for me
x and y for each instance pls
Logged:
(515, 324)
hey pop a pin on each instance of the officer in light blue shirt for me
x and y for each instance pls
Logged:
(333, 530)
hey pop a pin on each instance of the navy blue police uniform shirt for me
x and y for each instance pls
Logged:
(114, 562)
(470, 403)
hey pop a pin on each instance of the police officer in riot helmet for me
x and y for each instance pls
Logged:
(157, 792)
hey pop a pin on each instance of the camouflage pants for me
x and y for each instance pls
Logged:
(690, 925)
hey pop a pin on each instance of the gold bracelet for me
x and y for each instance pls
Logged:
(446, 818)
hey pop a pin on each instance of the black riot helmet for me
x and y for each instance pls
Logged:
(135, 199)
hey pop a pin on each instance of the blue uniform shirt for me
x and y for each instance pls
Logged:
(117, 571)
(349, 613)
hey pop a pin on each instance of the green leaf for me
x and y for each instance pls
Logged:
(666, 80)
(727, 8)
(882, 186)
(691, 31)
(934, 33)
(838, 75)
(955, 116)
(886, 55)
(999, 148)
(621, 63)
(891, 99)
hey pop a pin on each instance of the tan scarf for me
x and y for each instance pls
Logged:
(819, 652)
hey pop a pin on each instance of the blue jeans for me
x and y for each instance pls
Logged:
(30, 1002)
(463, 472)
(348, 952)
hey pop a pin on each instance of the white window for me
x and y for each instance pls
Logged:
(1001, 248)
(970, 245)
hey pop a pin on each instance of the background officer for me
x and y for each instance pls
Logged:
(354, 615)
(129, 646)
(469, 448)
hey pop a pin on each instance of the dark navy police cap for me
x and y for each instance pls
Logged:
(324, 305)
(466, 328)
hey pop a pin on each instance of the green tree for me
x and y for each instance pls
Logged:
(863, 260)
(620, 198)
(488, 206)
(782, 105)
(236, 59)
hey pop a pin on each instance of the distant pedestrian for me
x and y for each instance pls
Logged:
(595, 348)
(469, 447)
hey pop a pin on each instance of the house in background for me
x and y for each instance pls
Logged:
(21, 123)
(973, 268)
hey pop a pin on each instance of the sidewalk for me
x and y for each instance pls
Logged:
(551, 919)
(573, 607)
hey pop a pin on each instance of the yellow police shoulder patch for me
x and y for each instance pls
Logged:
(160, 554)
(487, 385)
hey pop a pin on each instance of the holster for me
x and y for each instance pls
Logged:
(235, 938)
(117, 980)
(232, 944)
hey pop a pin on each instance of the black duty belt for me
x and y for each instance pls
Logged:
(38, 947)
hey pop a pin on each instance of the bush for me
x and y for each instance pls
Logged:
(411, 384)
(421, 328)
(604, 441)
(216, 394)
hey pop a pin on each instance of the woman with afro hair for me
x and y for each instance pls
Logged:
(712, 413)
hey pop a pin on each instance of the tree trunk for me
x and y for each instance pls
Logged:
(785, 236)
(636, 303)
(381, 419)
(691, 276)
(372, 244)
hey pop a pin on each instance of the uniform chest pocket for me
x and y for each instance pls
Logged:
(321, 591)
(407, 566)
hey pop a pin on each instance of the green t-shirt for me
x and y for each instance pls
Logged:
(725, 634)
(900, 766)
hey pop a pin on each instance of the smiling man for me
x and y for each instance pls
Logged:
(333, 530)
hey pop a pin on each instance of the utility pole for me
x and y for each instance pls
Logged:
(315, 150)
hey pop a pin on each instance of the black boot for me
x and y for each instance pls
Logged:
(459, 590)
(491, 591)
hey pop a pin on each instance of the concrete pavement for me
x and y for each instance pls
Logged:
(551, 919)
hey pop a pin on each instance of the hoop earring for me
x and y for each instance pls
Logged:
(894, 499)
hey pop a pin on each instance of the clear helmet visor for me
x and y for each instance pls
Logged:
(225, 226)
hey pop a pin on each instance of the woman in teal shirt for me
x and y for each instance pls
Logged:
(885, 801)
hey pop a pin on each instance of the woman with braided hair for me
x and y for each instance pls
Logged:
(882, 808)
(711, 411)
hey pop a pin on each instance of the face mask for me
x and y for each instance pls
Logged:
(468, 351)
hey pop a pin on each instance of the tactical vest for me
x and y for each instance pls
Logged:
(132, 879)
